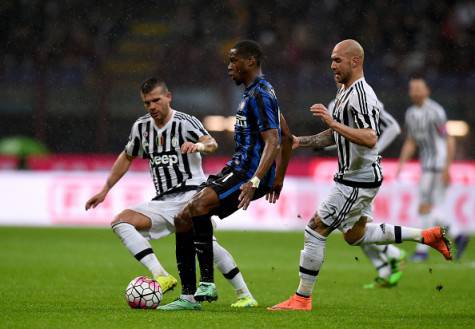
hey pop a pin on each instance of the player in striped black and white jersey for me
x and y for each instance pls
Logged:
(385, 259)
(388, 127)
(172, 142)
(170, 168)
(354, 128)
(426, 130)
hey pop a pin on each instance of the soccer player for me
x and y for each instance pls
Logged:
(354, 128)
(249, 175)
(385, 259)
(172, 142)
(426, 131)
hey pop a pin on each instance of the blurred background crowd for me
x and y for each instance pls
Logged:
(70, 69)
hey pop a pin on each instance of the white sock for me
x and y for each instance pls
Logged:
(378, 258)
(227, 266)
(426, 220)
(139, 247)
(387, 233)
(189, 298)
(311, 260)
(392, 251)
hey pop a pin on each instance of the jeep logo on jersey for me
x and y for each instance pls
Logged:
(164, 159)
(241, 121)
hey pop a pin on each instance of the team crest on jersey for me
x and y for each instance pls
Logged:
(174, 142)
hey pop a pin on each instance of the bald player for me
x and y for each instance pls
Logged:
(354, 128)
(426, 130)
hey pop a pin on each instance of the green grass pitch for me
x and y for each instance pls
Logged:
(75, 278)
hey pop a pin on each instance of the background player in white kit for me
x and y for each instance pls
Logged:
(353, 127)
(172, 142)
(426, 130)
(385, 259)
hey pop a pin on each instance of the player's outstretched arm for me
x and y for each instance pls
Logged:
(282, 161)
(318, 141)
(206, 144)
(408, 149)
(271, 149)
(120, 167)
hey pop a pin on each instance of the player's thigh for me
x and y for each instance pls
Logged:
(201, 203)
(361, 212)
(345, 205)
(427, 183)
(134, 217)
(161, 214)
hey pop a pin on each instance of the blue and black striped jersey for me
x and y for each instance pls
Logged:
(258, 111)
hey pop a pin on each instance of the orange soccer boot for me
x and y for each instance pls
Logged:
(294, 303)
(435, 237)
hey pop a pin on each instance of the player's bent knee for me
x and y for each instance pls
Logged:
(137, 220)
(355, 235)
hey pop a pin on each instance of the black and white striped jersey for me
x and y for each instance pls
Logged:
(357, 107)
(170, 169)
(389, 128)
(427, 125)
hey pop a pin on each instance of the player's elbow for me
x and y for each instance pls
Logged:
(371, 139)
(397, 129)
(213, 146)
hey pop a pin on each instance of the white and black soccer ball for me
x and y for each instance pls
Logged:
(143, 292)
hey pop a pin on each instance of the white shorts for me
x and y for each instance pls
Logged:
(162, 213)
(345, 205)
(431, 187)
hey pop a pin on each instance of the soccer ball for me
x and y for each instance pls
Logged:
(143, 292)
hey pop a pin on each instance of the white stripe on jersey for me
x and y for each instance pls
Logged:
(169, 168)
(357, 107)
(426, 124)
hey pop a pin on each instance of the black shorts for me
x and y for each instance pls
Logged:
(227, 185)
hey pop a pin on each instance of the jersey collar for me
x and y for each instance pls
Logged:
(252, 85)
(354, 83)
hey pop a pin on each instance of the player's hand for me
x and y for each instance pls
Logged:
(95, 200)
(247, 193)
(189, 147)
(446, 177)
(274, 193)
(320, 111)
(295, 142)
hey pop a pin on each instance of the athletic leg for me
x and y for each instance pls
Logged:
(126, 226)
(227, 266)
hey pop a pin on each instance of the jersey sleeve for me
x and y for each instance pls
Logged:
(134, 145)
(441, 121)
(266, 111)
(194, 129)
(365, 115)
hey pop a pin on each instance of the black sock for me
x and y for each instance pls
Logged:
(203, 237)
(185, 260)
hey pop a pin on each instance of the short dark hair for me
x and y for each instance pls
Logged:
(152, 83)
(249, 48)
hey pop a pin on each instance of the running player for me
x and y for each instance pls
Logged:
(385, 259)
(426, 131)
(172, 142)
(249, 175)
(354, 127)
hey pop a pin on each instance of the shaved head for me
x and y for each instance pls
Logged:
(351, 48)
(347, 61)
